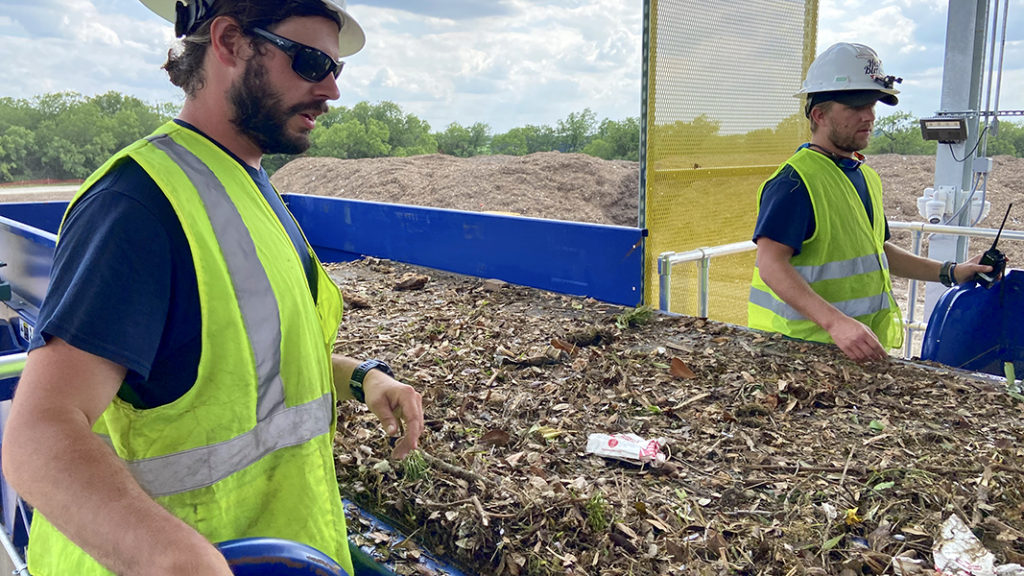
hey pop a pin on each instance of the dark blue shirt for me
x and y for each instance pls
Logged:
(123, 284)
(786, 214)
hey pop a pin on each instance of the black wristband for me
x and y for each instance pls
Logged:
(355, 385)
(945, 276)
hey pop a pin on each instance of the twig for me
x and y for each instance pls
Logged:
(480, 510)
(456, 471)
(846, 467)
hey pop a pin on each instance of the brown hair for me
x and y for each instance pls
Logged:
(824, 107)
(185, 64)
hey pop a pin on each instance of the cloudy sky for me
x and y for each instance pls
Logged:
(505, 63)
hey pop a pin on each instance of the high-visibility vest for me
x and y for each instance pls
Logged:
(247, 451)
(844, 260)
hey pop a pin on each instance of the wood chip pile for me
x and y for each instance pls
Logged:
(784, 458)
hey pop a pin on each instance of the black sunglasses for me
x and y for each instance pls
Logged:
(308, 62)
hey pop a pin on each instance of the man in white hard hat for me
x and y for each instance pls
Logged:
(180, 387)
(823, 253)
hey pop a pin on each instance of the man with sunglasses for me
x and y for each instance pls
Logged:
(180, 386)
(823, 252)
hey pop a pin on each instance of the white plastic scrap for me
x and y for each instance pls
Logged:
(908, 566)
(958, 552)
(627, 447)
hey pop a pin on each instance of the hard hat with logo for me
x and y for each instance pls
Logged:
(188, 15)
(850, 73)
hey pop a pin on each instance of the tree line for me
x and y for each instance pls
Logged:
(65, 135)
(900, 133)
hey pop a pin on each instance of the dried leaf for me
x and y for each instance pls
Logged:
(495, 437)
(354, 301)
(411, 281)
(560, 344)
(679, 369)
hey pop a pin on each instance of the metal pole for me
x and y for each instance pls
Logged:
(703, 283)
(19, 565)
(966, 32)
(11, 365)
(912, 301)
(665, 281)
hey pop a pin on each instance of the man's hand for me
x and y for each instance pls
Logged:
(856, 340)
(966, 271)
(399, 407)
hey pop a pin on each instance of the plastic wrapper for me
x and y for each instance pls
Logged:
(628, 447)
(958, 552)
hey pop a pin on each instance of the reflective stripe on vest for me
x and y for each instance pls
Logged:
(845, 268)
(852, 308)
(277, 425)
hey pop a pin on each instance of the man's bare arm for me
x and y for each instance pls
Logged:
(908, 265)
(55, 461)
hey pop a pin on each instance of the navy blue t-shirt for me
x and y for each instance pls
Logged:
(786, 214)
(123, 284)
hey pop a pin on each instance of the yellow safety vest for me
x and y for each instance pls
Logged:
(843, 261)
(248, 450)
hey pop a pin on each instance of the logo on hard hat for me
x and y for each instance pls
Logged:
(872, 67)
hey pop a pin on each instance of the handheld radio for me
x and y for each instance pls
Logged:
(994, 258)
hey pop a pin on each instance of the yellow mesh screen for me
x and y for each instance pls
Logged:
(721, 117)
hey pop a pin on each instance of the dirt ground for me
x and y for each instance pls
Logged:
(783, 458)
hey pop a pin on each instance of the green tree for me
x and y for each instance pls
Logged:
(899, 133)
(407, 135)
(512, 143)
(351, 139)
(464, 142)
(575, 131)
(71, 135)
(539, 138)
(16, 143)
(616, 140)
(1006, 137)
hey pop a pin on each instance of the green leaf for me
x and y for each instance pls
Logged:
(830, 544)
(876, 425)
(883, 486)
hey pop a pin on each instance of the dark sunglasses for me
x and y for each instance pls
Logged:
(308, 62)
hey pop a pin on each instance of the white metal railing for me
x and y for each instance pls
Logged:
(702, 256)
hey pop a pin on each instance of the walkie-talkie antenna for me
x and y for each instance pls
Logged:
(1001, 226)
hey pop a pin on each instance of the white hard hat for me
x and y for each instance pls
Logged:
(350, 37)
(847, 67)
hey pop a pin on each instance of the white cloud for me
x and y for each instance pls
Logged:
(504, 62)
(531, 63)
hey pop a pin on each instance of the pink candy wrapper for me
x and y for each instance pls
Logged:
(628, 447)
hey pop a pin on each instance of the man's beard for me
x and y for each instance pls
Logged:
(847, 144)
(261, 116)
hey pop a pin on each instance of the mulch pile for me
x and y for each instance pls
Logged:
(784, 458)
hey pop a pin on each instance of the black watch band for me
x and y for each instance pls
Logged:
(355, 385)
(944, 273)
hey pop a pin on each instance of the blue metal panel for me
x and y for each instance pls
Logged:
(602, 262)
(28, 252)
(43, 215)
(977, 328)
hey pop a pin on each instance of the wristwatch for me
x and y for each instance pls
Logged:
(945, 273)
(356, 383)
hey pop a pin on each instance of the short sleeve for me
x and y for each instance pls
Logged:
(111, 278)
(785, 214)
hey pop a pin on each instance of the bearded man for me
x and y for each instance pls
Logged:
(180, 386)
